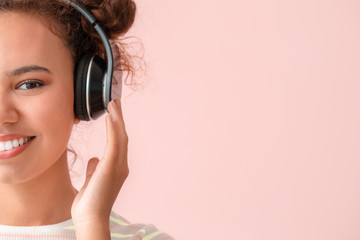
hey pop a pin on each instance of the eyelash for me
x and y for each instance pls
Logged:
(40, 83)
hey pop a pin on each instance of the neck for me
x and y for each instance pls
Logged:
(45, 200)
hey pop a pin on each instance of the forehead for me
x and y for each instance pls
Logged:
(26, 39)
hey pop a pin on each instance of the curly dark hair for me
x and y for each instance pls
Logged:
(114, 16)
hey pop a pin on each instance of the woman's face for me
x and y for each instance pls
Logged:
(42, 108)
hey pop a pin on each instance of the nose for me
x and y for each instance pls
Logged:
(8, 111)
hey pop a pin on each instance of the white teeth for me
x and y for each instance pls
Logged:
(10, 144)
(15, 143)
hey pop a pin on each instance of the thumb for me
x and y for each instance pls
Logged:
(91, 167)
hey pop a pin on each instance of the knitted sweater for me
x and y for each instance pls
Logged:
(120, 228)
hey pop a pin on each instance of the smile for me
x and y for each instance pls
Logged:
(14, 143)
(14, 147)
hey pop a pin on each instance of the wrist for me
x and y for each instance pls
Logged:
(82, 220)
(92, 230)
(86, 223)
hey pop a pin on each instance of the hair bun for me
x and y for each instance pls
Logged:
(114, 16)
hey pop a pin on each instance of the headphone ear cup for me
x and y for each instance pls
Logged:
(89, 91)
(80, 78)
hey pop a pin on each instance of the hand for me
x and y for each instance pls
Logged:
(104, 178)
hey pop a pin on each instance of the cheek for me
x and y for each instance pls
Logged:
(58, 114)
(52, 115)
(53, 106)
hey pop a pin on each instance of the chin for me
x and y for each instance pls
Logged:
(11, 175)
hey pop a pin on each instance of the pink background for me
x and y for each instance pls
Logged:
(248, 127)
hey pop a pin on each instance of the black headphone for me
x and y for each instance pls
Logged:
(92, 76)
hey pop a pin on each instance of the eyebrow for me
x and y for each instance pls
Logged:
(26, 69)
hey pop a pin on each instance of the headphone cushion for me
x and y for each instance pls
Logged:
(80, 78)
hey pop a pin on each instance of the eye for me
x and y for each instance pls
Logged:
(29, 84)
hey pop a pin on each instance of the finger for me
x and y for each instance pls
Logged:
(118, 105)
(91, 167)
(118, 118)
(110, 132)
(116, 142)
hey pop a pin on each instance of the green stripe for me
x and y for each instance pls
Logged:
(118, 221)
(70, 227)
(118, 235)
(152, 235)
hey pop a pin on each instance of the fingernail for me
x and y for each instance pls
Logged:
(110, 105)
(111, 109)
(117, 101)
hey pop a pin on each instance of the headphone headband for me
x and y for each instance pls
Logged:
(109, 73)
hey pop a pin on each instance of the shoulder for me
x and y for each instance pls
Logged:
(122, 228)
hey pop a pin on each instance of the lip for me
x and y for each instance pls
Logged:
(15, 151)
(11, 137)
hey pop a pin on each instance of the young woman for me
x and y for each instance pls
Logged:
(40, 44)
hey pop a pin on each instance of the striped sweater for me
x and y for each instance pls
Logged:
(120, 229)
